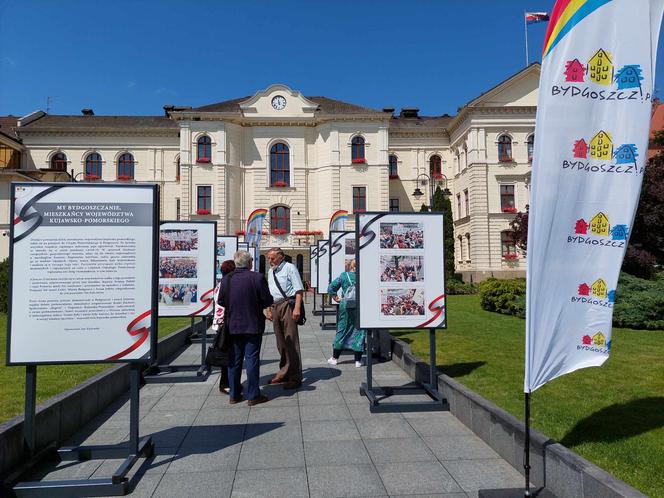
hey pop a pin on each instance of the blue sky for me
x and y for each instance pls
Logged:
(132, 57)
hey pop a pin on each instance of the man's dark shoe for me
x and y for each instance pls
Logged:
(234, 401)
(257, 401)
(293, 384)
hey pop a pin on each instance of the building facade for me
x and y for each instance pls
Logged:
(303, 158)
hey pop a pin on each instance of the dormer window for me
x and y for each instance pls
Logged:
(357, 150)
(204, 150)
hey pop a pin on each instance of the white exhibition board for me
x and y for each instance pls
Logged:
(243, 246)
(82, 259)
(225, 250)
(313, 266)
(323, 266)
(255, 252)
(187, 260)
(401, 270)
(342, 252)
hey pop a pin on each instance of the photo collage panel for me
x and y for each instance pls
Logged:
(178, 267)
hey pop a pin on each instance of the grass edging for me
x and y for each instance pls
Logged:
(560, 470)
(61, 416)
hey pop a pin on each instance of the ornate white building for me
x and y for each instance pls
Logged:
(303, 158)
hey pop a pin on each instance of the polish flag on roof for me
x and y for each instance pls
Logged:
(533, 17)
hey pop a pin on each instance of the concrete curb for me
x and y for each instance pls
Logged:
(61, 416)
(561, 471)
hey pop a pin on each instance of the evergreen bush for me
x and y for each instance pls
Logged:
(504, 296)
(639, 302)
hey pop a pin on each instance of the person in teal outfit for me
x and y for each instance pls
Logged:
(348, 336)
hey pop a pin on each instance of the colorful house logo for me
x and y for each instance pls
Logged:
(580, 149)
(629, 76)
(619, 232)
(584, 290)
(599, 225)
(600, 68)
(599, 339)
(599, 288)
(601, 146)
(574, 71)
(626, 154)
(581, 227)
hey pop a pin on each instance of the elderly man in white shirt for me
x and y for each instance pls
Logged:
(286, 288)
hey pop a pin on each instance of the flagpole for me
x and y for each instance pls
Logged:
(526, 448)
(525, 30)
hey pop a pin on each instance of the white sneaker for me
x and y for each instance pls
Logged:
(359, 364)
(332, 361)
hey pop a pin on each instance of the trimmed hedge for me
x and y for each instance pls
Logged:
(4, 286)
(639, 302)
(504, 296)
(456, 287)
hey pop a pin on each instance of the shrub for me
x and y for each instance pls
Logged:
(504, 296)
(639, 262)
(4, 286)
(455, 286)
(639, 302)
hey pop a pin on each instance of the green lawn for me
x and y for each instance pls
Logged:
(51, 379)
(612, 415)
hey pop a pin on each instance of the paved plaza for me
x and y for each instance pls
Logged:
(320, 440)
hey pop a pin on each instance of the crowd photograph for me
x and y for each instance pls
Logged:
(178, 240)
(402, 302)
(178, 267)
(349, 247)
(401, 268)
(401, 236)
(221, 249)
(174, 294)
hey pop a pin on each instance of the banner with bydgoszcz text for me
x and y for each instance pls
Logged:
(593, 117)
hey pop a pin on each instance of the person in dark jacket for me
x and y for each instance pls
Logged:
(245, 294)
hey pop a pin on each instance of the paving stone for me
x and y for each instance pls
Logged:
(459, 447)
(171, 417)
(274, 414)
(347, 452)
(205, 460)
(213, 436)
(312, 413)
(262, 455)
(164, 436)
(180, 403)
(155, 465)
(329, 430)
(345, 480)
(372, 428)
(439, 424)
(222, 417)
(215, 484)
(399, 450)
(416, 478)
(270, 482)
(321, 397)
(473, 475)
(270, 432)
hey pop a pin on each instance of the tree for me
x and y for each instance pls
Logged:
(519, 226)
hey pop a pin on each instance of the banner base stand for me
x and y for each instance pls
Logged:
(513, 493)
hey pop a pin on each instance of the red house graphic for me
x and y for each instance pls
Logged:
(584, 290)
(587, 339)
(581, 227)
(574, 71)
(581, 149)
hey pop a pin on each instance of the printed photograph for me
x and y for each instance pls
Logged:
(178, 267)
(174, 294)
(401, 268)
(401, 236)
(350, 247)
(178, 240)
(402, 302)
(221, 248)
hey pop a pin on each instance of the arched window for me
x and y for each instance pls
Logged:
(204, 150)
(394, 169)
(280, 220)
(435, 167)
(177, 169)
(504, 148)
(508, 247)
(530, 143)
(357, 150)
(279, 165)
(93, 166)
(126, 167)
(59, 161)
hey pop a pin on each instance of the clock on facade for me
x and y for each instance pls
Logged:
(278, 102)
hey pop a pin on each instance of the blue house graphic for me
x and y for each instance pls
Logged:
(619, 232)
(629, 76)
(626, 154)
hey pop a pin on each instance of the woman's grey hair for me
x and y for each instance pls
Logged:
(242, 259)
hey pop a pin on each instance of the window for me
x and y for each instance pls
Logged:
(507, 199)
(59, 161)
(126, 167)
(530, 143)
(177, 208)
(359, 199)
(460, 248)
(394, 205)
(394, 169)
(357, 150)
(177, 169)
(204, 150)
(466, 200)
(465, 156)
(279, 165)
(504, 148)
(93, 166)
(459, 213)
(435, 167)
(507, 243)
(468, 246)
(280, 220)
(204, 199)
(458, 161)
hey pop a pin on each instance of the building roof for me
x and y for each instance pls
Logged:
(420, 122)
(8, 126)
(62, 122)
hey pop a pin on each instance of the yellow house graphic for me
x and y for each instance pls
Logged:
(601, 146)
(599, 224)
(600, 68)
(599, 339)
(599, 288)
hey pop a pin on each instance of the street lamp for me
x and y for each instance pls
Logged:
(417, 193)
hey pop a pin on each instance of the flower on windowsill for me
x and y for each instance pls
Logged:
(91, 178)
(177, 179)
(202, 211)
(359, 160)
(203, 160)
(125, 177)
(240, 232)
(506, 160)
(509, 210)
(359, 210)
(279, 231)
(437, 176)
(394, 177)
(308, 232)
(510, 256)
(279, 184)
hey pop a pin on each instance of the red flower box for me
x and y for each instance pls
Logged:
(308, 232)
(394, 177)
(203, 160)
(359, 160)
(359, 210)
(279, 231)
(91, 178)
(240, 232)
(509, 210)
(510, 256)
(125, 177)
(506, 160)
(279, 184)
(203, 211)
(437, 176)
(177, 179)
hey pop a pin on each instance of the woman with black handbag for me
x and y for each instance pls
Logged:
(218, 353)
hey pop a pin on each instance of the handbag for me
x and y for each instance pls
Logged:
(218, 353)
(291, 301)
(349, 295)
